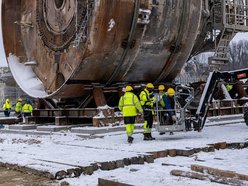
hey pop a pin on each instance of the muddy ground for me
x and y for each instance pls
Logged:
(13, 178)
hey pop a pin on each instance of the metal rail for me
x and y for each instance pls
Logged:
(82, 33)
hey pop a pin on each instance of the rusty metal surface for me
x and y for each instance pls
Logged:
(126, 40)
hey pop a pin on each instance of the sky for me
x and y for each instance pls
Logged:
(64, 150)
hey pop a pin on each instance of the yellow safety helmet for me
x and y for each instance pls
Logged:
(19, 99)
(149, 85)
(171, 92)
(128, 88)
(161, 87)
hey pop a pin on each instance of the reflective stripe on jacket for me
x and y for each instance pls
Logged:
(145, 98)
(129, 104)
(161, 101)
(27, 108)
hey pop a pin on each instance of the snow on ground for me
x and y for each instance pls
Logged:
(157, 174)
(60, 151)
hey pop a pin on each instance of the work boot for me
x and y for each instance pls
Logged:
(150, 136)
(146, 136)
(130, 139)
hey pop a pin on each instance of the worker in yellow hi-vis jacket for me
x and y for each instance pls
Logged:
(7, 108)
(147, 100)
(129, 105)
(27, 108)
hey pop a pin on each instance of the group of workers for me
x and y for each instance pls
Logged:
(131, 105)
(21, 109)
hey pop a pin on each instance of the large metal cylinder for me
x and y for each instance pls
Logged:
(57, 47)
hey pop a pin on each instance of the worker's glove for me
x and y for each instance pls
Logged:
(174, 118)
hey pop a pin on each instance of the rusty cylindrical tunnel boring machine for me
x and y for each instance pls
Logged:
(66, 48)
(60, 48)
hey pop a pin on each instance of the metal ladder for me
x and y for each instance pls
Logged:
(230, 17)
(221, 50)
(82, 32)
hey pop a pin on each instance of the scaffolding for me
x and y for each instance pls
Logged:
(8, 88)
(227, 17)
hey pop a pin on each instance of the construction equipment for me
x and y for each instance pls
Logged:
(184, 96)
(213, 79)
(228, 17)
(66, 47)
(84, 51)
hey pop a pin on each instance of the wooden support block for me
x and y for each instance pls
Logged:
(94, 166)
(71, 173)
(184, 152)
(234, 146)
(104, 166)
(88, 170)
(221, 145)
(154, 154)
(99, 97)
(104, 182)
(244, 145)
(217, 179)
(197, 150)
(137, 160)
(149, 158)
(172, 152)
(160, 154)
(104, 121)
(112, 165)
(219, 172)
(9, 120)
(60, 175)
(127, 161)
(60, 120)
(188, 174)
(208, 149)
(120, 163)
